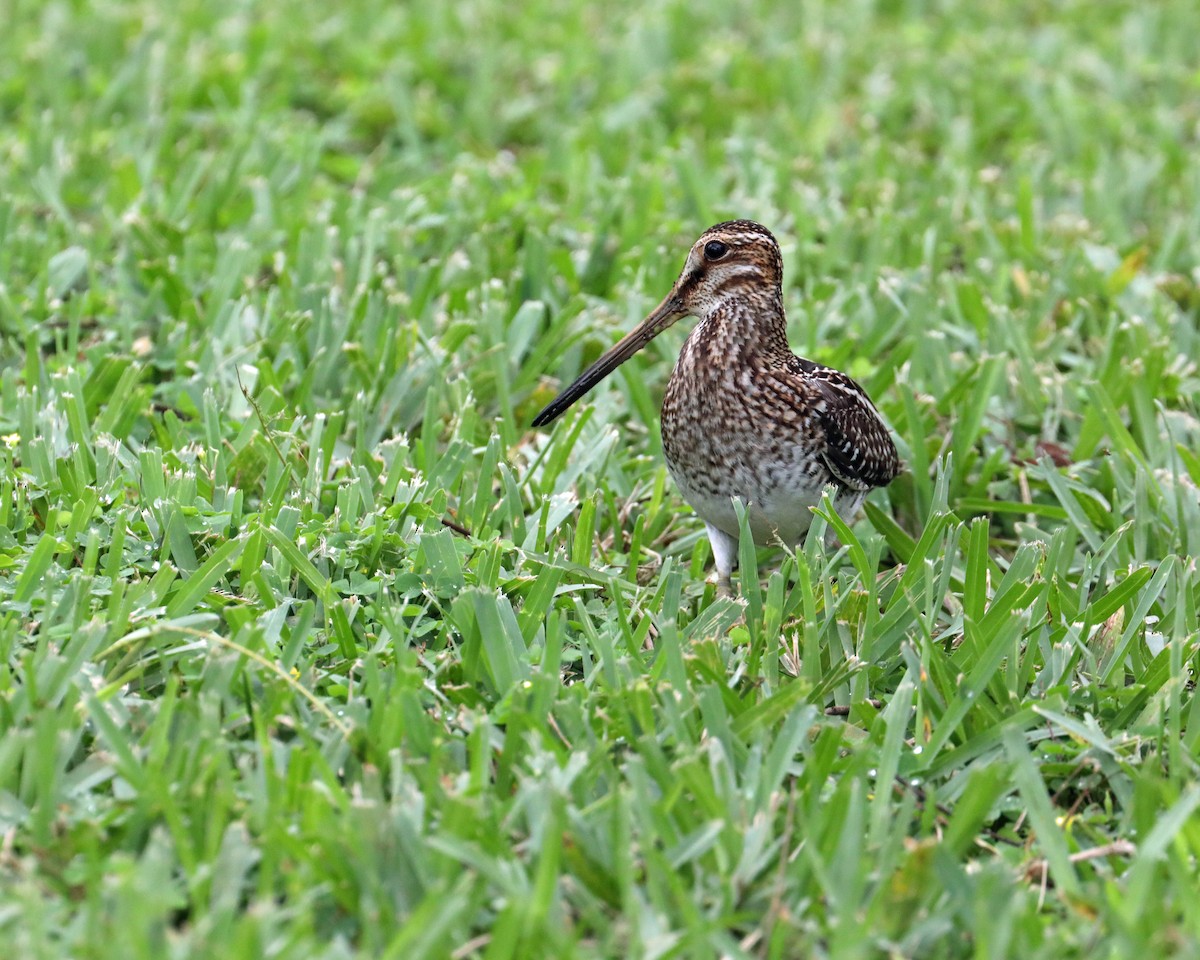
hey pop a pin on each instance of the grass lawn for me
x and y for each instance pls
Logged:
(311, 648)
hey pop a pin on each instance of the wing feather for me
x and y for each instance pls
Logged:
(858, 449)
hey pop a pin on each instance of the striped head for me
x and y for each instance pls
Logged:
(738, 259)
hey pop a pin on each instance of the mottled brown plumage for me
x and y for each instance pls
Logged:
(743, 417)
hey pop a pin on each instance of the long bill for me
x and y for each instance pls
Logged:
(665, 314)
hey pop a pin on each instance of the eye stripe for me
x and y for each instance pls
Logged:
(732, 243)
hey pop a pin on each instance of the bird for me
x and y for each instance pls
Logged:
(743, 417)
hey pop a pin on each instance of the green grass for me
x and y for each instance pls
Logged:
(310, 647)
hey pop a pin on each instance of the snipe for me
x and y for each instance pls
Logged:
(743, 416)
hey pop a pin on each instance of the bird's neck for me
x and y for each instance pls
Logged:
(747, 331)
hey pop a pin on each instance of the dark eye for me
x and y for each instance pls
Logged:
(715, 250)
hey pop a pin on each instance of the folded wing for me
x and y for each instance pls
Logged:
(858, 447)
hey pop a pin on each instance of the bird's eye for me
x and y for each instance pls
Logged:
(715, 250)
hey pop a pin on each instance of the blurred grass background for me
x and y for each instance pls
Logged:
(310, 647)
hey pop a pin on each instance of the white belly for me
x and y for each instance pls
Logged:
(780, 511)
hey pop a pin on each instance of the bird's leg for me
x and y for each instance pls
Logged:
(724, 548)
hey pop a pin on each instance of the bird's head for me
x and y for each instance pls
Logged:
(737, 260)
(732, 260)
